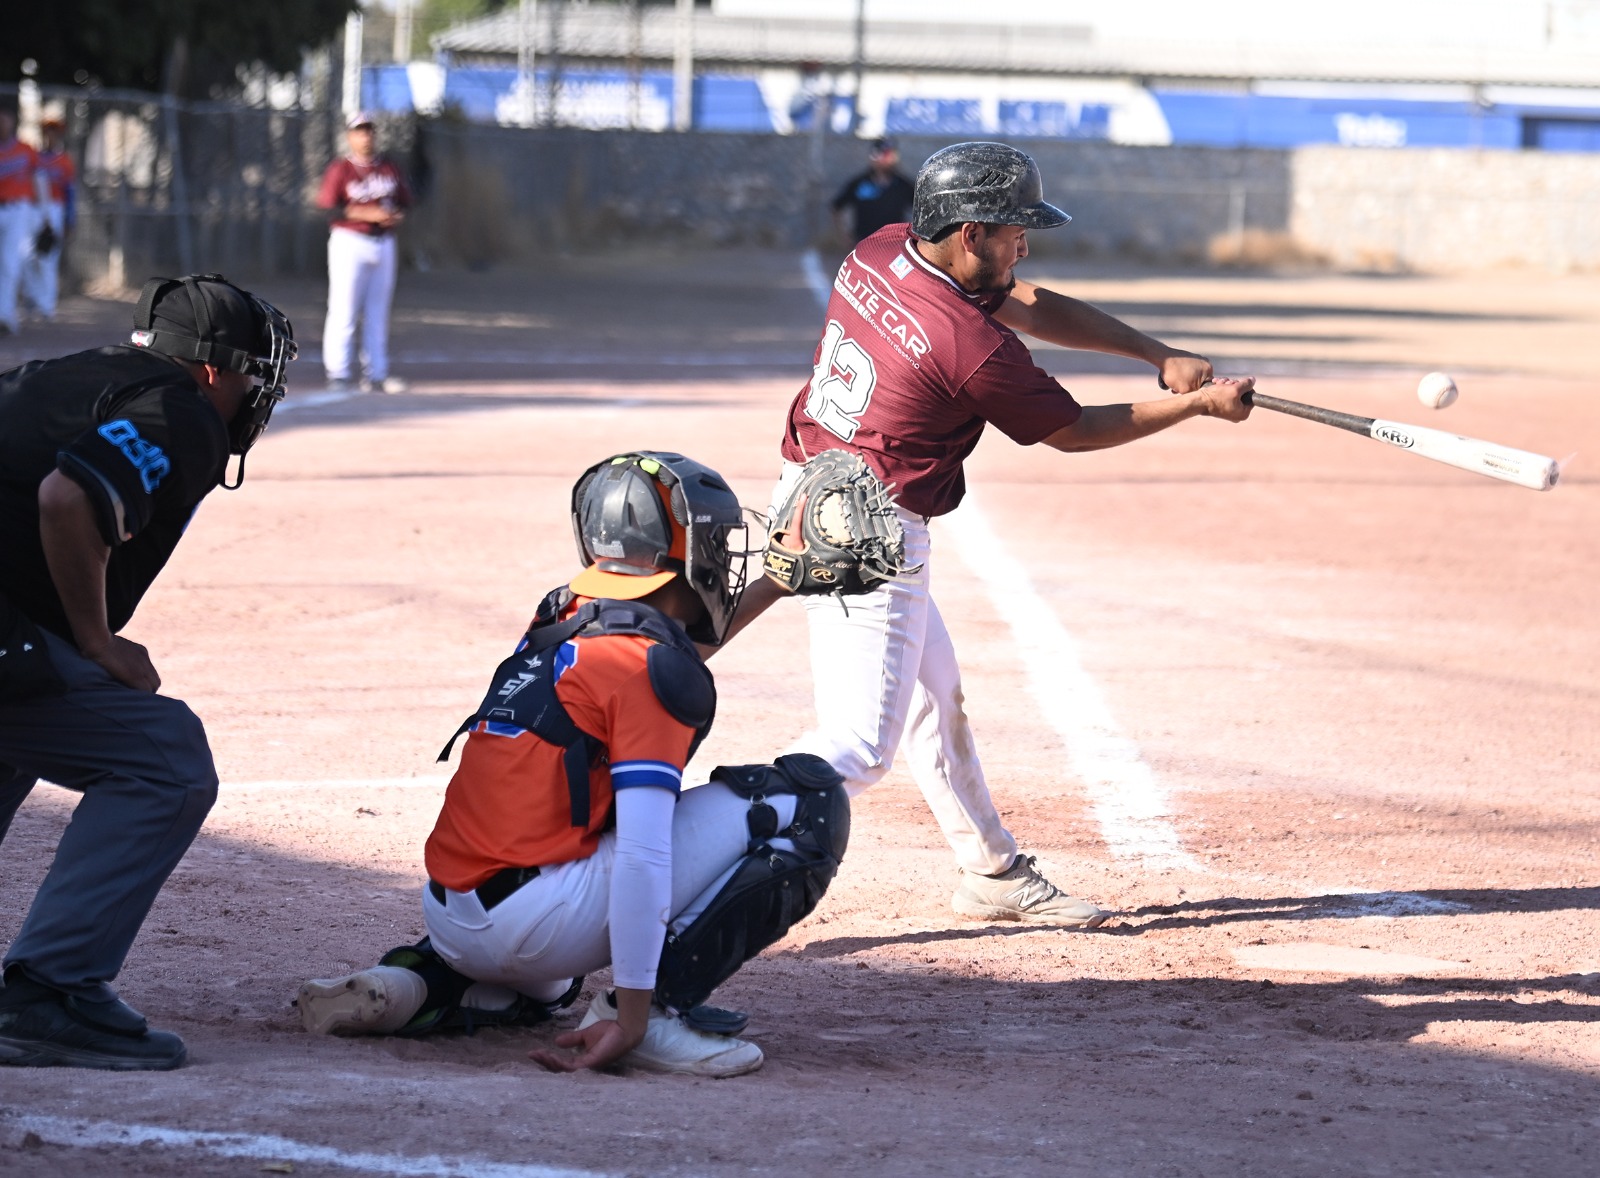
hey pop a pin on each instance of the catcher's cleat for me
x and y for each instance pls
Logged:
(375, 1001)
(42, 1027)
(671, 1045)
(1022, 893)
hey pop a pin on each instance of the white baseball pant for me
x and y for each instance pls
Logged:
(885, 677)
(41, 273)
(18, 221)
(361, 273)
(557, 927)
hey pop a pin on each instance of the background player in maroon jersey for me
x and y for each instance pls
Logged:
(918, 355)
(367, 198)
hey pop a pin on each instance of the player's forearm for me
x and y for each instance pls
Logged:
(633, 1012)
(1104, 426)
(641, 884)
(77, 558)
(1072, 323)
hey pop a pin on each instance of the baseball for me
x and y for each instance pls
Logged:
(1436, 390)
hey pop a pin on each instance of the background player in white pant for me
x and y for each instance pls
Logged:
(367, 195)
(41, 276)
(919, 353)
(564, 846)
(19, 212)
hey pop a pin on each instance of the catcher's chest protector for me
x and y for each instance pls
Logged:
(522, 696)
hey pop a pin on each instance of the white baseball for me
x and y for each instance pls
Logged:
(1437, 391)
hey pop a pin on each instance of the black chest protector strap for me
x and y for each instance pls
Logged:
(522, 696)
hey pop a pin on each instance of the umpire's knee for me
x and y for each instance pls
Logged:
(180, 744)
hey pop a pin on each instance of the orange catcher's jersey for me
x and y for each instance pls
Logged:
(909, 370)
(508, 804)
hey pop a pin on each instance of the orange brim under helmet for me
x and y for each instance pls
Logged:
(595, 581)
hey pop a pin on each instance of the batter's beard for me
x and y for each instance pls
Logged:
(988, 285)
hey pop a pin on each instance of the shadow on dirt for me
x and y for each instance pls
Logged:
(1440, 902)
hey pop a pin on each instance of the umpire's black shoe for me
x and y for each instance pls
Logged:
(42, 1027)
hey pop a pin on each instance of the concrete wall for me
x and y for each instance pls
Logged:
(1447, 210)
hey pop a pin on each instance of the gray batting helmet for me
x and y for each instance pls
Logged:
(989, 182)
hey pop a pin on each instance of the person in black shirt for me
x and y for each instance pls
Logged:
(104, 456)
(877, 197)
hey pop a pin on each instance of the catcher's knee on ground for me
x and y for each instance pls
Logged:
(412, 991)
(778, 882)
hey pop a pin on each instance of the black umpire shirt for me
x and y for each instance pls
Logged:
(876, 205)
(131, 428)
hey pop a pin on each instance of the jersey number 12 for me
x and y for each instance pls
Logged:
(842, 383)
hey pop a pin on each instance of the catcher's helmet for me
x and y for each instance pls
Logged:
(207, 319)
(988, 182)
(641, 519)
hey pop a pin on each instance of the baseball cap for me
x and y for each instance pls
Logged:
(622, 579)
(362, 118)
(879, 146)
(231, 320)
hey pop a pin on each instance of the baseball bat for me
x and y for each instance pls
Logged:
(1533, 471)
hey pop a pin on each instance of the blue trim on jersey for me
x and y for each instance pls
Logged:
(566, 658)
(629, 774)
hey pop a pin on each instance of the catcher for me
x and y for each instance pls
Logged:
(565, 845)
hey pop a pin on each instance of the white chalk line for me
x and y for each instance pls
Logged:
(1134, 810)
(269, 1148)
(820, 284)
(312, 400)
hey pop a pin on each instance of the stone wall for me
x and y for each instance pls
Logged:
(1442, 210)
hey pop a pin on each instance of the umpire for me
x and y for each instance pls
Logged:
(104, 457)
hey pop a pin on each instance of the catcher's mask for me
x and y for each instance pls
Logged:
(993, 183)
(207, 319)
(641, 519)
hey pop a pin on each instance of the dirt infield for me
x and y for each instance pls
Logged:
(1359, 688)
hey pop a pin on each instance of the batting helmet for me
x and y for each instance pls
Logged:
(641, 519)
(207, 319)
(989, 182)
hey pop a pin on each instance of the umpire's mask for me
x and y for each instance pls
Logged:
(207, 319)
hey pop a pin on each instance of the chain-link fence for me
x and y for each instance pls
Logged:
(169, 186)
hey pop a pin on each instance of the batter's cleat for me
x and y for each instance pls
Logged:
(394, 384)
(1022, 893)
(670, 1045)
(376, 1001)
(338, 384)
(41, 1027)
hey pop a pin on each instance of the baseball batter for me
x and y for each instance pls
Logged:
(564, 844)
(367, 197)
(919, 354)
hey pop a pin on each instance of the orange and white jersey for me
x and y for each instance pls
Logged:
(509, 805)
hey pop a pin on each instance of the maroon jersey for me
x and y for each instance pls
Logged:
(910, 368)
(347, 183)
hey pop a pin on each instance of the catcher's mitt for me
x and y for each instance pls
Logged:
(837, 531)
(45, 241)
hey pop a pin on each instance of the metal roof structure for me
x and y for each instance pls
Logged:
(618, 34)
